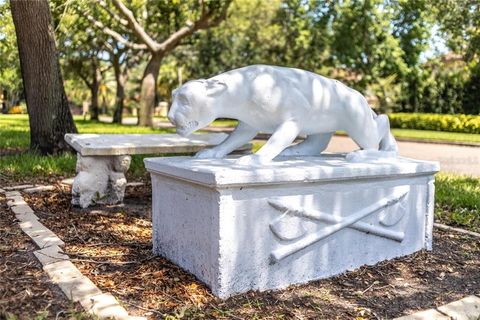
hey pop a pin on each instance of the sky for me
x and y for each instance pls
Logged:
(437, 46)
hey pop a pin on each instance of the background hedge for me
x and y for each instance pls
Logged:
(437, 122)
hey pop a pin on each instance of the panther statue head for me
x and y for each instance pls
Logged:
(194, 105)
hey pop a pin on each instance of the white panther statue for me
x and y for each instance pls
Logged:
(283, 101)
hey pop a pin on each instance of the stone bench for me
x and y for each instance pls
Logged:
(103, 160)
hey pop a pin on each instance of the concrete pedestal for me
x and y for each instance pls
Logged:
(240, 228)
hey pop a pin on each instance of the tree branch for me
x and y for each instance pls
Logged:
(104, 5)
(136, 27)
(85, 79)
(116, 35)
(204, 22)
(109, 48)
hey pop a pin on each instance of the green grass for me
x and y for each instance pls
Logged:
(458, 201)
(432, 135)
(436, 135)
(22, 165)
(15, 131)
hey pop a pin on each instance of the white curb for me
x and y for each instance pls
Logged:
(430, 314)
(57, 264)
(466, 308)
(39, 189)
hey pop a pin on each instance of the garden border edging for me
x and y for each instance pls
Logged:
(57, 264)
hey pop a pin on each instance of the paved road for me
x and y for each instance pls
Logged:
(452, 158)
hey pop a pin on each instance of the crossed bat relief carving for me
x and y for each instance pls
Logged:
(297, 238)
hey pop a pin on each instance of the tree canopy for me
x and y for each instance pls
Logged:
(145, 48)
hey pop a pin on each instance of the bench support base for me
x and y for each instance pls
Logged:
(100, 179)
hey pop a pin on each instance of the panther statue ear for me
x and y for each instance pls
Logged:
(215, 87)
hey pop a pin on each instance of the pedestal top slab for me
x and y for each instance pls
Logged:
(226, 172)
(121, 144)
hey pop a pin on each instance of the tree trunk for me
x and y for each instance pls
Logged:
(149, 91)
(121, 80)
(49, 113)
(97, 78)
(4, 102)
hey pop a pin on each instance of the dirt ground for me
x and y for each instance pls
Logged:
(112, 246)
(25, 290)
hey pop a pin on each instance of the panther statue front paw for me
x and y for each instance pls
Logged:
(252, 159)
(209, 154)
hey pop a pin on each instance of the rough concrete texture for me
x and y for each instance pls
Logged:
(452, 158)
(21, 209)
(10, 194)
(15, 201)
(104, 306)
(41, 235)
(240, 228)
(76, 286)
(100, 179)
(26, 217)
(50, 255)
(121, 144)
(465, 309)
(103, 160)
(68, 181)
(430, 314)
(39, 189)
(14, 197)
(20, 187)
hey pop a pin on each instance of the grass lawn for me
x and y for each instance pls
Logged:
(436, 135)
(433, 135)
(458, 201)
(457, 197)
(18, 164)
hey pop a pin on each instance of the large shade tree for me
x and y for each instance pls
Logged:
(158, 27)
(10, 76)
(48, 109)
(81, 49)
(460, 25)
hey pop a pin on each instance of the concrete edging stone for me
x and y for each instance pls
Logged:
(57, 264)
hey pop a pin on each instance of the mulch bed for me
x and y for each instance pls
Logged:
(25, 291)
(112, 246)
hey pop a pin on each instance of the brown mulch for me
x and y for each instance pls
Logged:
(25, 291)
(112, 246)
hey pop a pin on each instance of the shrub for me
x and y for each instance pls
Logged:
(17, 110)
(436, 122)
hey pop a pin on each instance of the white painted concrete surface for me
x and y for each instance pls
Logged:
(241, 228)
(452, 158)
(120, 144)
(103, 160)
